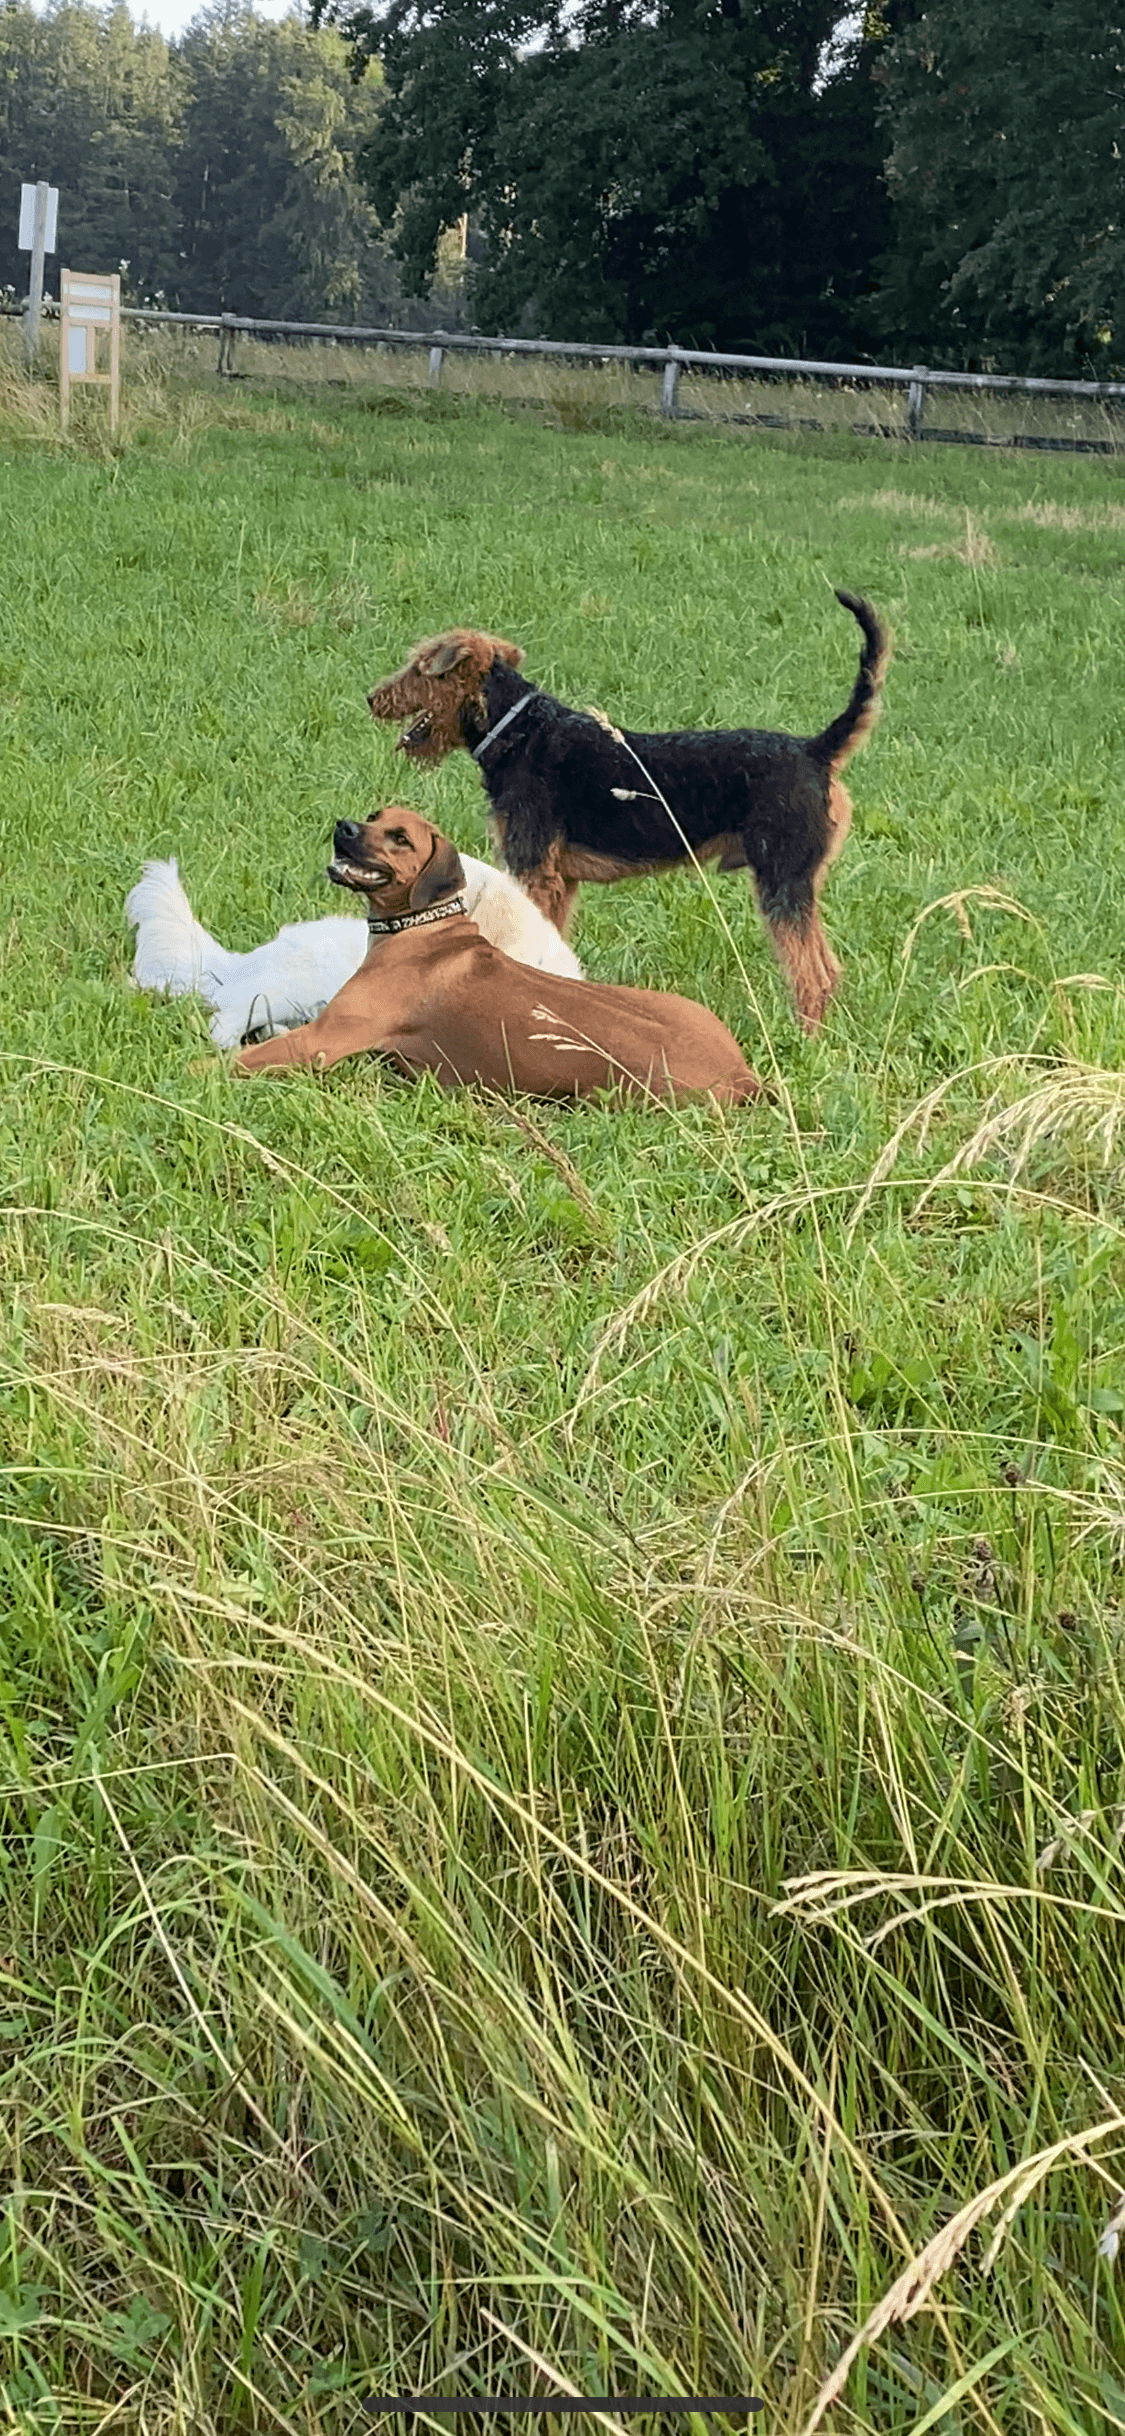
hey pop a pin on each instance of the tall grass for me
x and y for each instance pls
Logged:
(562, 1703)
(168, 374)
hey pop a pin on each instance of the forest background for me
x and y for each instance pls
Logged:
(940, 183)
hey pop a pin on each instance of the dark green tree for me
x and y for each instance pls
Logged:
(683, 169)
(88, 102)
(448, 70)
(1006, 135)
(272, 220)
(219, 173)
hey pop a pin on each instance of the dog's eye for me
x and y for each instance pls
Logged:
(399, 837)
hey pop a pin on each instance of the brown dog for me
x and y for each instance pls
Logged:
(573, 799)
(434, 995)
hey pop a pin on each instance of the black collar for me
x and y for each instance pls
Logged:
(434, 913)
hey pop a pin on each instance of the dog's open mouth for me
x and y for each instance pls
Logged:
(417, 734)
(358, 875)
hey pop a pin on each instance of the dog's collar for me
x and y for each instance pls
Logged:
(501, 724)
(434, 913)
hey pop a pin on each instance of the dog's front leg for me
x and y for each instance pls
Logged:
(299, 1048)
(525, 824)
(359, 1017)
(544, 882)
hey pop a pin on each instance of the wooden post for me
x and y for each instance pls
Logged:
(435, 367)
(64, 357)
(39, 211)
(671, 383)
(915, 405)
(226, 346)
(87, 305)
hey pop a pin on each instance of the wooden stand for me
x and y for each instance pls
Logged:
(87, 306)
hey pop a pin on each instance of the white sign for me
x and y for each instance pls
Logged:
(27, 219)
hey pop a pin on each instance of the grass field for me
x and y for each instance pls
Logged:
(562, 1704)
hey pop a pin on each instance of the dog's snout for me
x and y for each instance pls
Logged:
(346, 833)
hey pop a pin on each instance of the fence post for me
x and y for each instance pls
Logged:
(915, 404)
(435, 367)
(671, 383)
(226, 345)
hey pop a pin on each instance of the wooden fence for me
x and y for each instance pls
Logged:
(919, 383)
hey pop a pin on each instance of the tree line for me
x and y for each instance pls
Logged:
(940, 182)
(219, 170)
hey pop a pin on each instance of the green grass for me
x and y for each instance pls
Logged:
(562, 1700)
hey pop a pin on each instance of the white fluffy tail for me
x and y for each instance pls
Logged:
(174, 952)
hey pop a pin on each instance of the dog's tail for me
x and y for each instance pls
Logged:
(174, 952)
(854, 725)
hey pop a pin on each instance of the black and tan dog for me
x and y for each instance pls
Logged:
(569, 802)
(434, 995)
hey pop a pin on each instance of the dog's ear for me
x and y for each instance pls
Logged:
(444, 656)
(444, 873)
(510, 652)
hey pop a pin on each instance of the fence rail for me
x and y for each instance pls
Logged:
(916, 379)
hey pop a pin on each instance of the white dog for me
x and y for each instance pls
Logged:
(285, 983)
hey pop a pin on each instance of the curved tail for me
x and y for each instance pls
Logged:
(853, 727)
(174, 952)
